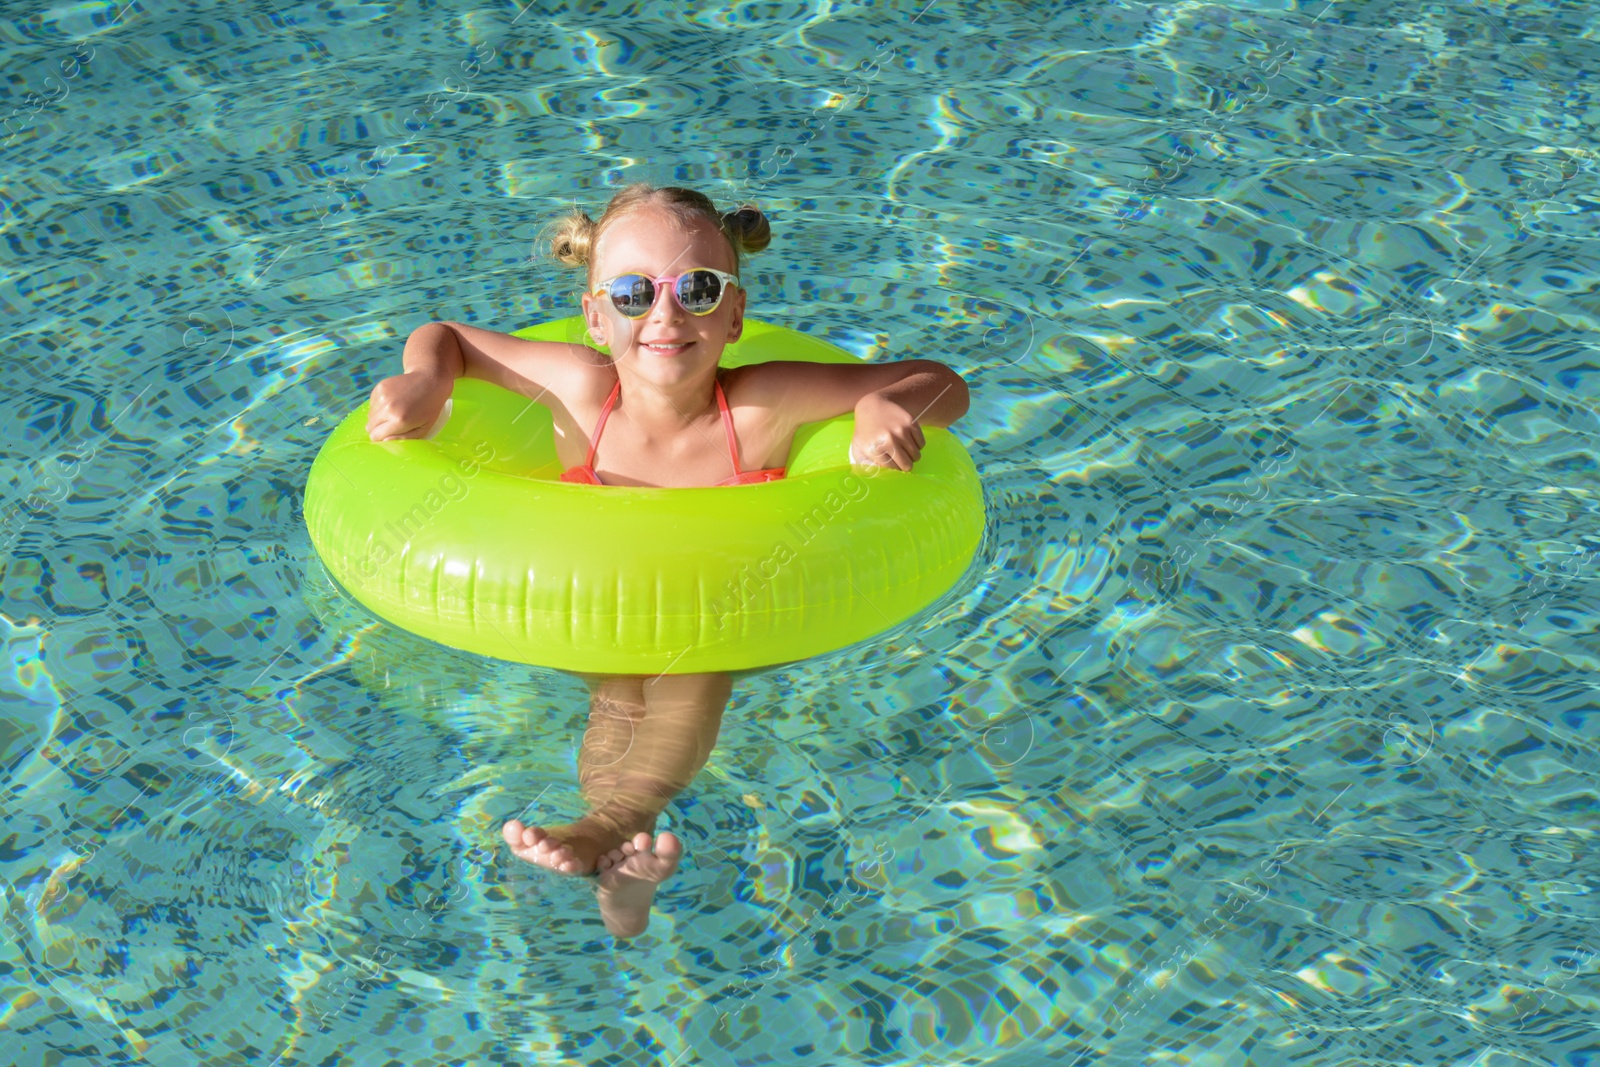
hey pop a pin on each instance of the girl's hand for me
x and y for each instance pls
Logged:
(886, 434)
(406, 406)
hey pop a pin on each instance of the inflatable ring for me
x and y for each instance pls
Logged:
(468, 538)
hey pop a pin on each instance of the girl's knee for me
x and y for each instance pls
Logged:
(623, 694)
(702, 689)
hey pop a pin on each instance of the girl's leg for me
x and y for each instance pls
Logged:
(647, 739)
(683, 713)
(670, 743)
(616, 708)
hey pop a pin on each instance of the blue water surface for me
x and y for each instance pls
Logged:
(1262, 732)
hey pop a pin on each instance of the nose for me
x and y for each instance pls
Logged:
(666, 300)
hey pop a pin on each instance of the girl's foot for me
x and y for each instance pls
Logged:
(629, 875)
(571, 848)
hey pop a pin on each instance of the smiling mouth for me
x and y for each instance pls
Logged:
(665, 348)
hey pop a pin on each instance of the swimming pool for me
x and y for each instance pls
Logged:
(1260, 734)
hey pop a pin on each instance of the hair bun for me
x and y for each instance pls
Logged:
(748, 227)
(572, 239)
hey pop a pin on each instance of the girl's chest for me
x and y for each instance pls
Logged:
(698, 456)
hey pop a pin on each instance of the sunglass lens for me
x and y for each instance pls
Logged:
(633, 294)
(699, 291)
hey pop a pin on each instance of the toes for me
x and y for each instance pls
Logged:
(668, 846)
(532, 835)
(538, 846)
(547, 851)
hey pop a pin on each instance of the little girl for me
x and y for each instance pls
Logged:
(664, 294)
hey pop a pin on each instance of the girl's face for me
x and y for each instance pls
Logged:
(667, 344)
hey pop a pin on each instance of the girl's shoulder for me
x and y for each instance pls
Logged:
(586, 380)
(574, 389)
(746, 385)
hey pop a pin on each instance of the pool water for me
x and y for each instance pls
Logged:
(1261, 732)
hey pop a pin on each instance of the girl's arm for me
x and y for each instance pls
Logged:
(435, 355)
(891, 401)
(931, 392)
(934, 394)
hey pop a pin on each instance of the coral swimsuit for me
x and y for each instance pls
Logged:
(585, 474)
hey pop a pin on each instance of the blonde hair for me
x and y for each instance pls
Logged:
(573, 236)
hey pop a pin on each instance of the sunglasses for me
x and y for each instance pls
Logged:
(698, 291)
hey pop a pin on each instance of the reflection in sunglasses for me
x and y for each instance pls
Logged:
(698, 291)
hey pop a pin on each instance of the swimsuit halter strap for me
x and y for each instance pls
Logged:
(605, 411)
(722, 404)
(727, 424)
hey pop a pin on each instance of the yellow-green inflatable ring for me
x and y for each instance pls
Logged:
(469, 538)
